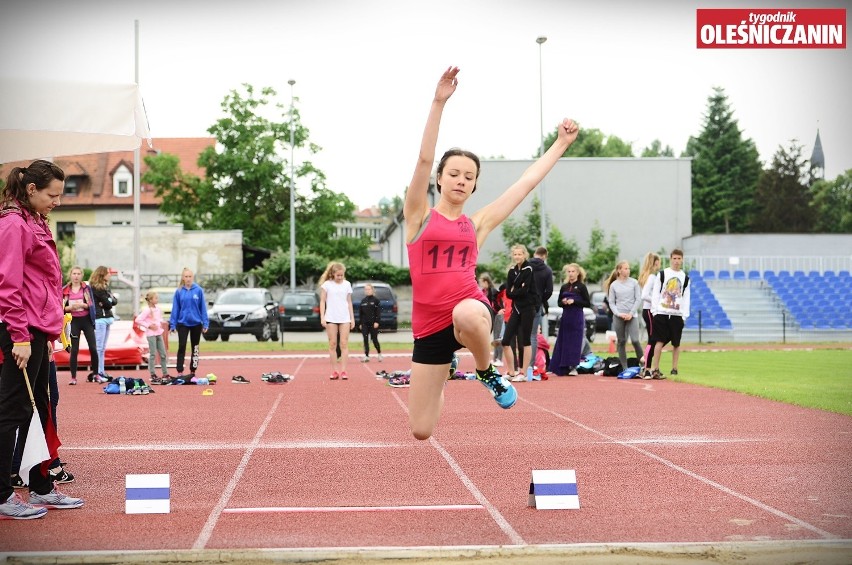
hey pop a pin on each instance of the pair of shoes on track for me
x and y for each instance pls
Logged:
(14, 508)
(341, 375)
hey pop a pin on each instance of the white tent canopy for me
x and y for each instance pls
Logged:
(45, 119)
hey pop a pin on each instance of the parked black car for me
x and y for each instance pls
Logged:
(299, 310)
(387, 300)
(603, 321)
(243, 311)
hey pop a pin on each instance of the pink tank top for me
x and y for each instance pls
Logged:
(442, 259)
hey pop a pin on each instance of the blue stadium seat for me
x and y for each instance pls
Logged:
(691, 323)
(755, 275)
(739, 275)
(768, 274)
(709, 275)
(814, 274)
(829, 274)
(784, 274)
(724, 275)
(694, 275)
(843, 274)
(725, 324)
(799, 274)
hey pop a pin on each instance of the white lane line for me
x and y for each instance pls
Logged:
(307, 509)
(495, 514)
(222, 446)
(207, 530)
(696, 476)
(303, 356)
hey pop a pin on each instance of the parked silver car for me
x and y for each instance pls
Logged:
(554, 317)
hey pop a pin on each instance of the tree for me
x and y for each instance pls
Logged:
(560, 251)
(592, 143)
(527, 230)
(782, 198)
(247, 183)
(655, 150)
(602, 255)
(725, 170)
(181, 193)
(831, 202)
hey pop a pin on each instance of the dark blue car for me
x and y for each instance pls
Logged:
(387, 300)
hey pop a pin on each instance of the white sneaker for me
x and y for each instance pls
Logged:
(497, 363)
(573, 373)
(366, 359)
(16, 509)
(380, 358)
(55, 499)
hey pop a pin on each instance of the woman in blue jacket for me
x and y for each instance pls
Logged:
(188, 318)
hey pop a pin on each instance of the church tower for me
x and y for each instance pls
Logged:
(817, 160)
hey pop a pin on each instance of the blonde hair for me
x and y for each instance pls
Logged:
(98, 278)
(581, 272)
(614, 275)
(523, 248)
(330, 270)
(75, 268)
(647, 267)
(150, 296)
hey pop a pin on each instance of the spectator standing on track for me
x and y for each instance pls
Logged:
(79, 301)
(650, 268)
(31, 314)
(670, 306)
(104, 301)
(625, 299)
(543, 276)
(369, 312)
(449, 310)
(573, 297)
(494, 296)
(57, 471)
(336, 316)
(189, 319)
(521, 288)
(150, 320)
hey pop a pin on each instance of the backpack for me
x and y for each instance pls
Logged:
(630, 373)
(589, 364)
(612, 367)
(632, 362)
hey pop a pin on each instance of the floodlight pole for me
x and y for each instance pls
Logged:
(137, 188)
(541, 39)
(291, 82)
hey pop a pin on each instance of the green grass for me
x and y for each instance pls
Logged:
(820, 378)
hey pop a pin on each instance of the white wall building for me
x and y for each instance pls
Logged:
(646, 203)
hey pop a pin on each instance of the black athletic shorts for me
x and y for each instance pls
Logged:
(668, 329)
(438, 348)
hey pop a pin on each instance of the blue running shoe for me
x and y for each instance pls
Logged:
(504, 393)
(454, 365)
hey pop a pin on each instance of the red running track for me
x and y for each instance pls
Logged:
(330, 464)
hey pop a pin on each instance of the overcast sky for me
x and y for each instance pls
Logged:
(365, 73)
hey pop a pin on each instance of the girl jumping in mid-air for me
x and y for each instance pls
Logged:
(449, 310)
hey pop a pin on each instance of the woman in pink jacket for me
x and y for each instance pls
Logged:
(150, 320)
(31, 314)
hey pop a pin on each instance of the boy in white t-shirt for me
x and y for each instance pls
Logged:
(670, 307)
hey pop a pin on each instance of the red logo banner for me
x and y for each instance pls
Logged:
(764, 28)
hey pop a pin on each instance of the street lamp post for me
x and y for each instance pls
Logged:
(291, 82)
(541, 39)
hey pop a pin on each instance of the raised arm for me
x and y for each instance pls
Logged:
(416, 198)
(494, 213)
